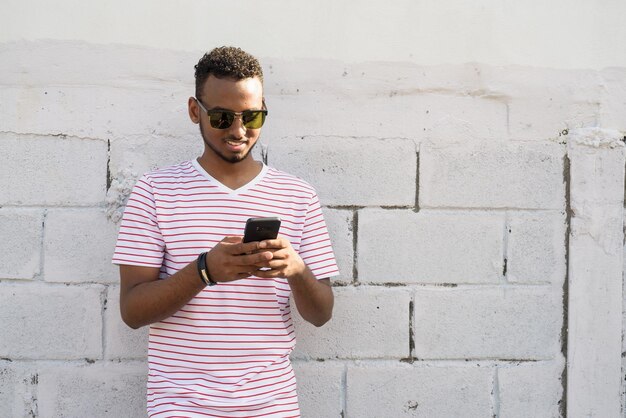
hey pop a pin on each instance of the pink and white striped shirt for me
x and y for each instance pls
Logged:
(225, 353)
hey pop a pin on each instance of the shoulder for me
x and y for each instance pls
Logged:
(170, 174)
(285, 179)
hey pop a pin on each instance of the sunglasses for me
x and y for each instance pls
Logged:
(223, 119)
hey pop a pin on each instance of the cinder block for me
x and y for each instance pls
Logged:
(401, 100)
(320, 388)
(488, 322)
(536, 247)
(492, 175)
(531, 389)
(418, 390)
(597, 169)
(384, 112)
(99, 111)
(596, 273)
(339, 223)
(624, 312)
(442, 103)
(351, 171)
(20, 245)
(50, 322)
(78, 246)
(368, 322)
(97, 390)
(142, 154)
(73, 172)
(407, 247)
(121, 341)
(18, 384)
(613, 102)
(543, 102)
(623, 384)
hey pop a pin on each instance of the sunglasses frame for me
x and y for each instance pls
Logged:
(235, 115)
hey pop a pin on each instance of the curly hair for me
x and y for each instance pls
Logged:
(226, 62)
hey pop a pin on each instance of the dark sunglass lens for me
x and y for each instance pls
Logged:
(222, 120)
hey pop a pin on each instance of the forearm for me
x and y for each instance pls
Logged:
(145, 299)
(314, 298)
(149, 302)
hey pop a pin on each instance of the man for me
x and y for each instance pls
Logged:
(221, 329)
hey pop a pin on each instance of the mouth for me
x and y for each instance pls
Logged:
(235, 146)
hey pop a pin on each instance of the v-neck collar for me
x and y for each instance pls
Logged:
(225, 188)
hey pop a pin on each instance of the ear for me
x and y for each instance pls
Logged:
(194, 110)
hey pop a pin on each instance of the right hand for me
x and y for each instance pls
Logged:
(231, 259)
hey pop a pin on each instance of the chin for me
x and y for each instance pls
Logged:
(236, 158)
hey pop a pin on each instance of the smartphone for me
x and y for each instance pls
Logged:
(259, 229)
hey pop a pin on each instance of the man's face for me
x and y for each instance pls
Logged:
(232, 144)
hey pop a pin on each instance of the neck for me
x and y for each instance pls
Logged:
(232, 175)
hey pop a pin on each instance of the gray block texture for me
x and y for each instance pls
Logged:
(50, 322)
(487, 323)
(419, 391)
(351, 171)
(401, 246)
(20, 242)
(368, 322)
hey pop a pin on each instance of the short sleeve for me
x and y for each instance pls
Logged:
(315, 248)
(139, 242)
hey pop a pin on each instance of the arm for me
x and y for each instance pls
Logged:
(314, 298)
(145, 299)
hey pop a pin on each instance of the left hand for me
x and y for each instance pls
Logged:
(286, 262)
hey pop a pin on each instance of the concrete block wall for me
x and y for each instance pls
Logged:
(446, 190)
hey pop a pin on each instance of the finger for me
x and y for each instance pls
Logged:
(279, 254)
(254, 259)
(275, 264)
(274, 243)
(244, 248)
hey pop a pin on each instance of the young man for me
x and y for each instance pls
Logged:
(221, 329)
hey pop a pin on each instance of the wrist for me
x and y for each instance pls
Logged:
(203, 270)
(301, 273)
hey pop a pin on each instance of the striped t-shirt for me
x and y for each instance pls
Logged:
(225, 353)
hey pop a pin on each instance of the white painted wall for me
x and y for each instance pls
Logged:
(556, 34)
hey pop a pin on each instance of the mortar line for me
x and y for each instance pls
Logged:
(109, 179)
(39, 135)
(565, 301)
(105, 299)
(417, 182)
(411, 330)
(444, 209)
(34, 282)
(55, 206)
(495, 393)
(505, 248)
(42, 246)
(355, 255)
(344, 391)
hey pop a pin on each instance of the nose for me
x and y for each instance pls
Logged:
(237, 129)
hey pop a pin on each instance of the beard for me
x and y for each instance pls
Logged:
(237, 158)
